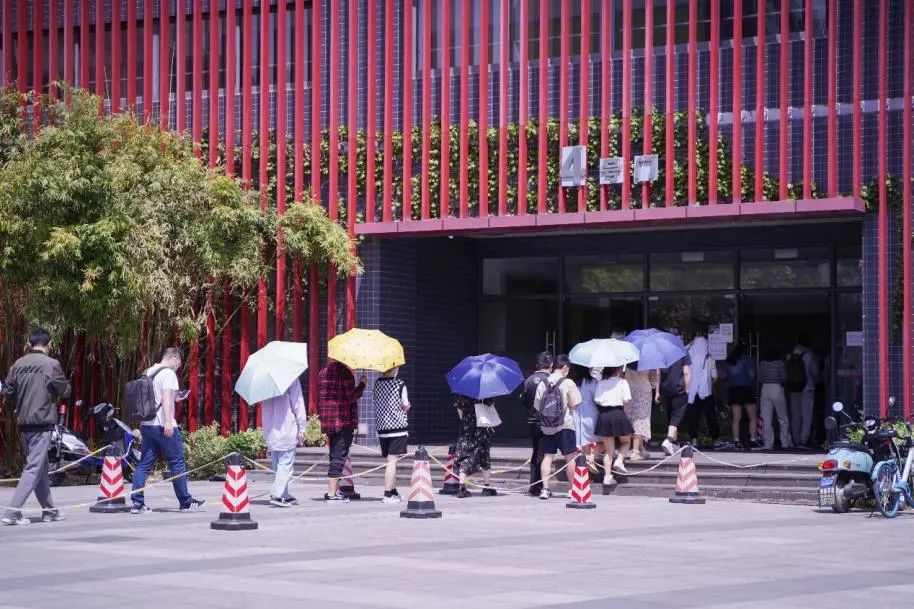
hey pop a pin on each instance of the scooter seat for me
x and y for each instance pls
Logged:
(849, 445)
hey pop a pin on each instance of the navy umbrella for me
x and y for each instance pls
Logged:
(485, 376)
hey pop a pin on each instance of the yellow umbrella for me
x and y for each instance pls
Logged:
(366, 350)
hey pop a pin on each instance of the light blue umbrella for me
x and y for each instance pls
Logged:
(271, 370)
(658, 349)
(603, 353)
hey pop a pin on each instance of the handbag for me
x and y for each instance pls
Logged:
(487, 416)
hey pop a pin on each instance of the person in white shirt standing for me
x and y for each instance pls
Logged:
(162, 435)
(701, 399)
(285, 420)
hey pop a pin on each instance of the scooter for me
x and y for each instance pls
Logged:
(847, 467)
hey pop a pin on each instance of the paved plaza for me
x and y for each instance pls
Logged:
(503, 552)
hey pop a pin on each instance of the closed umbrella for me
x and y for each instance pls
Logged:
(658, 349)
(485, 376)
(366, 350)
(271, 370)
(603, 353)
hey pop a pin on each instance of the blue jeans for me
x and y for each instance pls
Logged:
(283, 460)
(155, 442)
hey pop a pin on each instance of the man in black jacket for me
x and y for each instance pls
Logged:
(528, 396)
(34, 385)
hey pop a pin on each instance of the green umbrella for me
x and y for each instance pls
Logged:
(272, 370)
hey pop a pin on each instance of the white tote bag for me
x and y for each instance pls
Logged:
(487, 416)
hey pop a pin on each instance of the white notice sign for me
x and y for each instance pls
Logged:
(611, 170)
(854, 339)
(717, 348)
(726, 332)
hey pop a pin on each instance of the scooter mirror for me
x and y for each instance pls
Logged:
(891, 400)
(831, 424)
(837, 406)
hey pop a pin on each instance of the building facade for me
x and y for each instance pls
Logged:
(781, 129)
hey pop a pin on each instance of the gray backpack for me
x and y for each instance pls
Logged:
(552, 407)
(140, 397)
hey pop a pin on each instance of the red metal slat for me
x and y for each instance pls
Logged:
(389, 74)
(180, 57)
(465, 16)
(371, 111)
(147, 58)
(737, 143)
(53, 34)
(131, 55)
(244, 322)
(83, 43)
(606, 46)
(523, 105)
(503, 93)
(906, 207)
(69, 53)
(281, 166)
(299, 173)
(115, 52)
(334, 151)
(883, 239)
(99, 49)
(832, 98)
(626, 102)
(352, 125)
(407, 77)
(543, 106)
(209, 373)
(783, 169)
(714, 102)
(37, 56)
(197, 76)
(214, 53)
(264, 142)
(693, 101)
(313, 275)
(8, 39)
(230, 62)
(164, 63)
(426, 101)
(244, 350)
(225, 372)
(857, 181)
(484, 109)
(444, 196)
(807, 101)
(564, 52)
(313, 329)
(583, 127)
(669, 145)
(760, 100)
(647, 137)
(193, 385)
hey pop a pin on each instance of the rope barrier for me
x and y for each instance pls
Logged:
(507, 490)
(67, 466)
(754, 465)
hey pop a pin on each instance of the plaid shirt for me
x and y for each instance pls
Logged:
(337, 398)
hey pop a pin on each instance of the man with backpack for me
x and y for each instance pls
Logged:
(802, 375)
(528, 398)
(151, 398)
(555, 400)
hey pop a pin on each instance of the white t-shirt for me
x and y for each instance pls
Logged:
(166, 379)
(612, 392)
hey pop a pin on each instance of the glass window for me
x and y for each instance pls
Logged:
(604, 274)
(692, 271)
(806, 267)
(601, 317)
(850, 267)
(520, 276)
(690, 314)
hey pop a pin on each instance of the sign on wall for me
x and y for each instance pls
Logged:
(573, 169)
(611, 170)
(646, 168)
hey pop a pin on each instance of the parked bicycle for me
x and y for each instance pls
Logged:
(892, 476)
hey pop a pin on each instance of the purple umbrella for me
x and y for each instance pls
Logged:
(658, 349)
(485, 376)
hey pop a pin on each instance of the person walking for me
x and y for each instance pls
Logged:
(338, 409)
(33, 386)
(772, 376)
(556, 401)
(611, 395)
(673, 393)
(161, 435)
(801, 384)
(741, 379)
(701, 392)
(285, 420)
(586, 414)
(528, 397)
(391, 402)
(474, 446)
(643, 386)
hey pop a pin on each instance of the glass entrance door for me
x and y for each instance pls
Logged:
(600, 317)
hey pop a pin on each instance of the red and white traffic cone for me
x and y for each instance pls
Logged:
(111, 496)
(687, 480)
(347, 486)
(451, 482)
(235, 515)
(580, 488)
(421, 502)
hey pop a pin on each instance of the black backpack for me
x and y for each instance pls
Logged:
(552, 407)
(796, 373)
(141, 398)
(528, 395)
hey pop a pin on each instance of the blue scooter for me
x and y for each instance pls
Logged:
(847, 466)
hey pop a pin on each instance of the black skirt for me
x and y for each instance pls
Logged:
(612, 422)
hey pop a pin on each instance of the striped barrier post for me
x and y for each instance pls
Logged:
(421, 502)
(347, 485)
(111, 496)
(451, 482)
(580, 488)
(235, 514)
(687, 480)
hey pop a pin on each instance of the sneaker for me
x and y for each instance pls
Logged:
(545, 494)
(291, 500)
(756, 444)
(139, 508)
(619, 464)
(645, 453)
(195, 505)
(280, 502)
(489, 492)
(636, 457)
(339, 497)
(608, 480)
(668, 447)
(391, 499)
(463, 493)
(17, 521)
(720, 445)
(52, 516)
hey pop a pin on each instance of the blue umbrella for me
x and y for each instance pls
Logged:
(658, 349)
(485, 376)
(603, 353)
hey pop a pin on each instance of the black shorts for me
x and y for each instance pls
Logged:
(676, 406)
(396, 446)
(563, 441)
(740, 396)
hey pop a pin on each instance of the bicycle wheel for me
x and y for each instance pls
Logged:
(887, 498)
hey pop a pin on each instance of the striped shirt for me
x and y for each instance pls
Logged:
(772, 372)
